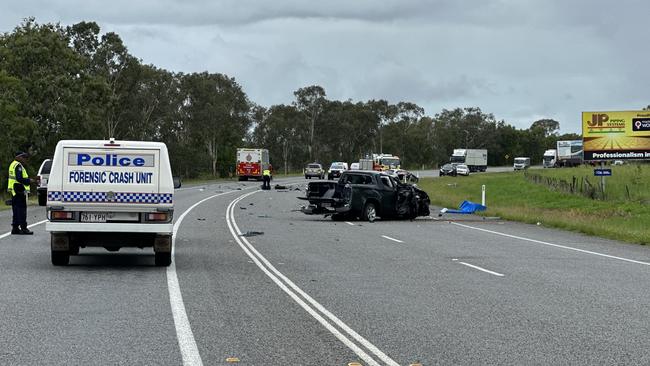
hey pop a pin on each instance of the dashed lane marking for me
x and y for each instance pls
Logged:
(393, 239)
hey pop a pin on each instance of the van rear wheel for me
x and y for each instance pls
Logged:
(163, 259)
(60, 258)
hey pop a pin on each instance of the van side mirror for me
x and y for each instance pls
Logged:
(177, 182)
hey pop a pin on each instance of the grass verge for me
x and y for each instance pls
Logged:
(512, 197)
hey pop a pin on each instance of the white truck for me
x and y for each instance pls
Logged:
(569, 153)
(251, 163)
(549, 160)
(110, 194)
(521, 163)
(475, 159)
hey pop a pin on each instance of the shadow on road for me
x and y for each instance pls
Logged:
(112, 260)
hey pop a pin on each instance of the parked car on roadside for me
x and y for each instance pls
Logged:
(448, 169)
(41, 181)
(336, 169)
(314, 170)
(462, 169)
(354, 166)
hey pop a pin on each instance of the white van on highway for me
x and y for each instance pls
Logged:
(110, 194)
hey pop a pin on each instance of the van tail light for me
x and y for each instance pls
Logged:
(61, 215)
(157, 216)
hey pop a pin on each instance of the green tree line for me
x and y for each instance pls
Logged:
(75, 82)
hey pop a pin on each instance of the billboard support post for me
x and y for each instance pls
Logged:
(602, 178)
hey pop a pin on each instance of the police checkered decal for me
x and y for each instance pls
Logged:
(53, 196)
(118, 197)
(84, 196)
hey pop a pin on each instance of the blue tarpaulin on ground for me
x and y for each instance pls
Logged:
(467, 207)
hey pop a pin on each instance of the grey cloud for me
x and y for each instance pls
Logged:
(518, 59)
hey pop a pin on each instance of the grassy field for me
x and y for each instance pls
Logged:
(629, 182)
(513, 197)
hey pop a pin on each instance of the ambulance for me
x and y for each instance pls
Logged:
(110, 194)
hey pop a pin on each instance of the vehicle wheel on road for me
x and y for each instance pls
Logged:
(369, 212)
(60, 258)
(306, 177)
(163, 259)
(42, 198)
(242, 179)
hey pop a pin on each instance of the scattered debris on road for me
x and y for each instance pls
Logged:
(252, 233)
(278, 186)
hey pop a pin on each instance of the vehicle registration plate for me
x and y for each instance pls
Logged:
(93, 217)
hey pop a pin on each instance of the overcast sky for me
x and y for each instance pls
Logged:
(521, 60)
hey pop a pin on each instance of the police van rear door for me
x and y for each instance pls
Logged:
(121, 177)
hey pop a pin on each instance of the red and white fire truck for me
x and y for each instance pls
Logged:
(251, 163)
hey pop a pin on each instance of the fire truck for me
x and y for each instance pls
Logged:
(383, 162)
(251, 163)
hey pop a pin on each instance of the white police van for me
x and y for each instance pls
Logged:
(110, 194)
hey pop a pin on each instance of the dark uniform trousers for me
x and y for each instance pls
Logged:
(19, 209)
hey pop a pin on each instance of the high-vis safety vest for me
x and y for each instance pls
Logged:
(267, 172)
(12, 177)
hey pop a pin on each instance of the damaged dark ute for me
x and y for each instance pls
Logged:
(365, 195)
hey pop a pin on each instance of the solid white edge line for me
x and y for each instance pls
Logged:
(482, 269)
(28, 226)
(189, 350)
(554, 245)
(393, 239)
(297, 289)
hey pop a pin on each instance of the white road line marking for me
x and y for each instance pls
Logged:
(189, 350)
(393, 239)
(349, 223)
(554, 245)
(482, 269)
(267, 268)
(28, 226)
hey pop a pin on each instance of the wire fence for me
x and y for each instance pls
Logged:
(577, 185)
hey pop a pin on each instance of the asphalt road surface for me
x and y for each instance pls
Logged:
(255, 282)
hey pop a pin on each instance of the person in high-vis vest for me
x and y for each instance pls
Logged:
(266, 179)
(18, 187)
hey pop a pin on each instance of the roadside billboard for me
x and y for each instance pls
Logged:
(616, 135)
